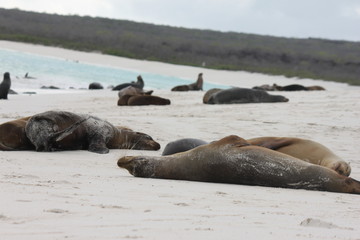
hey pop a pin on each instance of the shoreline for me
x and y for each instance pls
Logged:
(83, 195)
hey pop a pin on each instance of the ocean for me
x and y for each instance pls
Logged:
(65, 74)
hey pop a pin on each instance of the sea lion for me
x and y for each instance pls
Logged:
(138, 84)
(95, 85)
(243, 95)
(130, 90)
(233, 160)
(182, 145)
(13, 136)
(291, 87)
(210, 92)
(60, 130)
(5, 86)
(315, 88)
(141, 100)
(196, 86)
(306, 150)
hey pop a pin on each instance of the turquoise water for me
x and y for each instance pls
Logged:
(64, 73)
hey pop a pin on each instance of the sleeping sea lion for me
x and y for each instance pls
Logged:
(13, 136)
(243, 95)
(233, 160)
(60, 130)
(306, 150)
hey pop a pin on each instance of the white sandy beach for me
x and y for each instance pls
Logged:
(83, 195)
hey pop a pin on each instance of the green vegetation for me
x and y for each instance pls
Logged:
(304, 58)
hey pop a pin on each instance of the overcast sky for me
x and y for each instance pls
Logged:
(330, 19)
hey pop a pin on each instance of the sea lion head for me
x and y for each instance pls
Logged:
(341, 167)
(137, 166)
(6, 75)
(135, 140)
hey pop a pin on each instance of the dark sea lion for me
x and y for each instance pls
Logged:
(182, 145)
(233, 160)
(244, 95)
(291, 87)
(196, 86)
(49, 87)
(306, 150)
(138, 84)
(5, 86)
(210, 92)
(141, 100)
(59, 130)
(13, 136)
(130, 90)
(95, 85)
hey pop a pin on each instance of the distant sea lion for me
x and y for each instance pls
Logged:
(130, 90)
(138, 84)
(141, 100)
(5, 86)
(210, 92)
(13, 136)
(182, 145)
(59, 130)
(95, 85)
(297, 87)
(306, 150)
(315, 88)
(234, 160)
(196, 86)
(243, 95)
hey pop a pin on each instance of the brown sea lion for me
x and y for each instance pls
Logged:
(141, 100)
(233, 160)
(196, 86)
(13, 136)
(306, 150)
(60, 130)
(315, 88)
(243, 95)
(5, 86)
(130, 90)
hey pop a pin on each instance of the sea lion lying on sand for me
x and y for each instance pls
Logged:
(196, 86)
(130, 90)
(233, 160)
(13, 136)
(241, 95)
(141, 100)
(306, 150)
(303, 149)
(60, 130)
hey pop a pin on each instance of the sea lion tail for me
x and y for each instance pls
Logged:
(60, 135)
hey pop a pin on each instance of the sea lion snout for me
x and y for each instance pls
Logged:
(131, 163)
